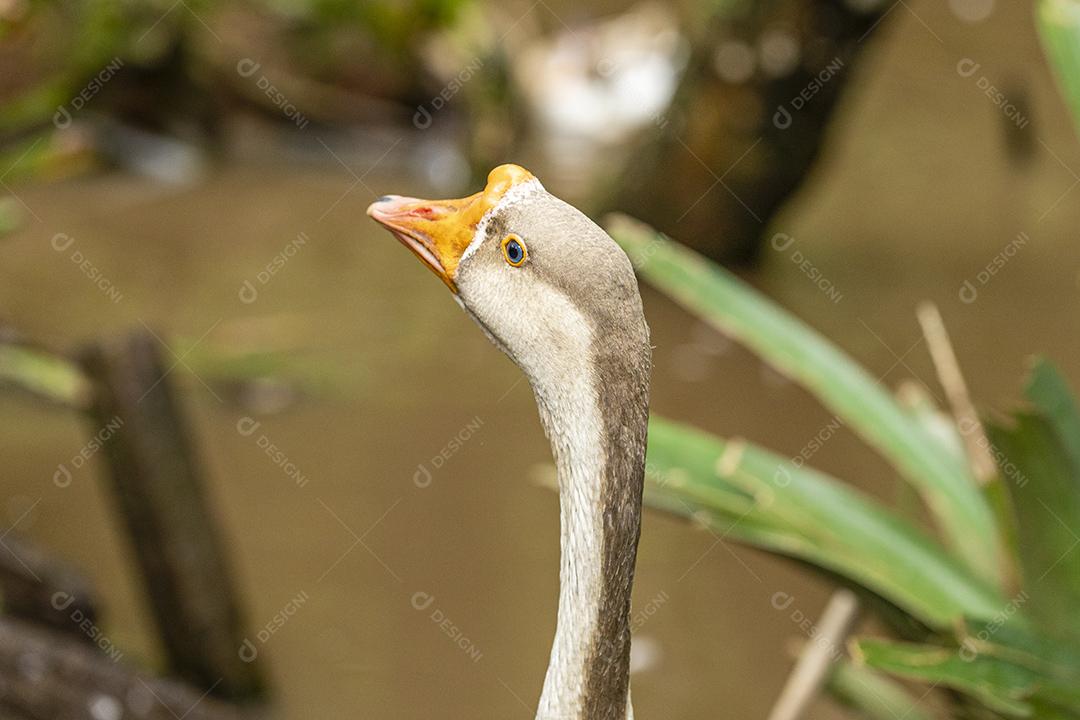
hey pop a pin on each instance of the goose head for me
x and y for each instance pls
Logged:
(548, 286)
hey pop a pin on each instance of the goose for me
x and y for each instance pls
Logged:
(558, 296)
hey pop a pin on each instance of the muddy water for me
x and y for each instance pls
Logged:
(392, 545)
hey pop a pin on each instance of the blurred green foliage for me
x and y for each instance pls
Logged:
(61, 46)
(99, 32)
(395, 25)
(1059, 27)
(1042, 443)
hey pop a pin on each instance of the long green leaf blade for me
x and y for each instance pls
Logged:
(707, 290)
(1005, 687)
(806, 514)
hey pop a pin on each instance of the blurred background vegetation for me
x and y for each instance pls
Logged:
(715, 78)
(199, 170)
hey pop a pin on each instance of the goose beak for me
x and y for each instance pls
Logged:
(439, 231)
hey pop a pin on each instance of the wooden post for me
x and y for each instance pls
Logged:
(157, 483)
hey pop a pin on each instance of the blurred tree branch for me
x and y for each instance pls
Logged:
(747, 123)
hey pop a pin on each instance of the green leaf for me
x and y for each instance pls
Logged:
(1059, 29)
(710, 292)
(873, 695)
(1006, 639)
(1049, 392)
(43, 374)
(1038, 454)
(11, 216)
(1005, 687)
(760, 498)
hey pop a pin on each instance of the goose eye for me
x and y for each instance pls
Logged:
(514, 250)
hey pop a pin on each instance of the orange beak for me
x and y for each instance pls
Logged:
(439, 231)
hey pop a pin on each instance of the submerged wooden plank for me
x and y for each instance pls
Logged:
(47, 675)
(42, 589)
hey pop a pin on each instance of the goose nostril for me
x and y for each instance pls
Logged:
(385, 198)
